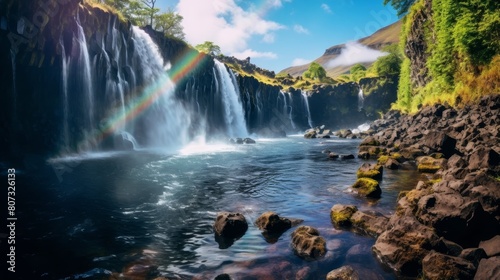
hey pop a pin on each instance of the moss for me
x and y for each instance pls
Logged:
(428, 168)
(382, 160)
(373, 174)
(367, 187)
(340, 215)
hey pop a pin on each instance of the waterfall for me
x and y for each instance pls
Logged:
(233, 109)
(361, 99)
(168, 122)
(84, 62)
(291, 110)
(306, 104)
(64, 78)
(287, 112)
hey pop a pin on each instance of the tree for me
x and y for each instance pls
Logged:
(208, 48)
(315, 71)
(150, 10)
(389, 64)
(170, 24)
(401, 6)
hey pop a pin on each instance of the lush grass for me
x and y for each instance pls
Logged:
(107, 8)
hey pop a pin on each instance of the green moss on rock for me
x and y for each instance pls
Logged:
(341, 214)
(367, 187)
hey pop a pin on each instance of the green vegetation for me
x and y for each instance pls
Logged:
(358, 71)
(463, 54)
(315, 72)
(428, 168)
(142, 13)
(389, 64)
(209, 48)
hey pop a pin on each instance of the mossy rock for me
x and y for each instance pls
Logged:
(428, 168)
(341, 214)
(367, 187)
(383, 159)
(373, 171)
(370, 141)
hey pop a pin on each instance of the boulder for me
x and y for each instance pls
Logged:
(370, 141)
(474, 255)
(223, 277)
(454, 217)
(229, 227)
(369, 224)
(364, 155)
(342, 273)
(248, 141)
(333, 155)
(273, 225)
(405, 244)
(488, 269)
(491, 247)
(307, 243)
(440, 266)
(367, 187)
(373, 171)
(340, 215)
(392, 164)
(428, 164)
(349, 156)
(484, 157)
(440, 142)
(310, 134)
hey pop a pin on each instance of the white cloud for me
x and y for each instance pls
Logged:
(300, 61)
(300, 29)
(353, 53)
(254, 54)
(326, 8)
(224, 23)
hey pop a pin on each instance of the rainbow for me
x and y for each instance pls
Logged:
(187, 62)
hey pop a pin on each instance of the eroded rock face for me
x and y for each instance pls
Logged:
(440, 266)
(229, 227)
(488, 269)
(405, 244)
(307, 243)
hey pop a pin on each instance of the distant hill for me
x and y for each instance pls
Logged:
(381, 38)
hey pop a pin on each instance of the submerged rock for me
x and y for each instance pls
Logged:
(273, 226)
(343, 273)
(307, 243)
(229, 227)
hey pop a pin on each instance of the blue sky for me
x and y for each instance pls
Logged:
(277, 34)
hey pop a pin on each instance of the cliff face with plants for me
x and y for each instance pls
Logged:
(452, 53)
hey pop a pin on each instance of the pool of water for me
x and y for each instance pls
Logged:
(149, 213)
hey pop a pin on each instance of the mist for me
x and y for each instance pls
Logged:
(353, 53)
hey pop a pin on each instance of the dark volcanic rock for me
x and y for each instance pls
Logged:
(273, 225)
(440, 266)
(405, 244)
(488, 269)
(228, 227)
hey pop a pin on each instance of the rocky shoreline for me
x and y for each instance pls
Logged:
(449, 226)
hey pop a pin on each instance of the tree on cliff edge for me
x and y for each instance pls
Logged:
(315, 71)
(209, 48)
